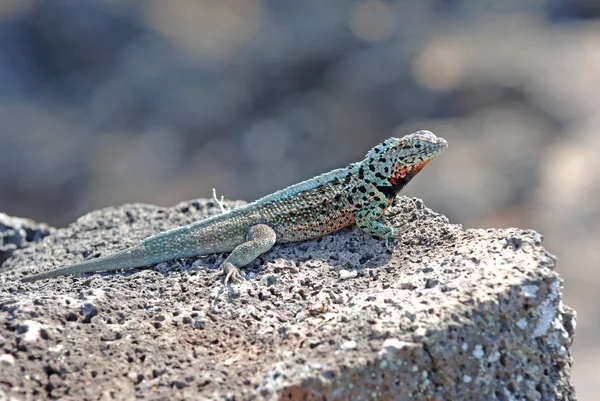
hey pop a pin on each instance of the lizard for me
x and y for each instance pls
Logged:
(358, 194)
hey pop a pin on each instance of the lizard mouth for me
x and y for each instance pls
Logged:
(442, 144)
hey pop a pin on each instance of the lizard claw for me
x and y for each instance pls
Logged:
(396, 234)
(390, 242)
(232, 274)
(398, 231)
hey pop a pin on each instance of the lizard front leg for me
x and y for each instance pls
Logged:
(366, 220)
(260, 238)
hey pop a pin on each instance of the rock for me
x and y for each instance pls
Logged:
(17, 233)
(446, 315)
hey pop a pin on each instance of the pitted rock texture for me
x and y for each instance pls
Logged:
(442, 315)
(17, 233)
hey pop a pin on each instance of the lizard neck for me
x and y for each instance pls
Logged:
(390, 180)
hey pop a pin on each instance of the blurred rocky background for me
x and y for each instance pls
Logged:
(156, 101)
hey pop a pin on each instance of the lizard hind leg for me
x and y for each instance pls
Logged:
(260, 239)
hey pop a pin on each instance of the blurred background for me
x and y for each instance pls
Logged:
(156, 101)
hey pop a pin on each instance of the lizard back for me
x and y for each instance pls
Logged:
(315, 207)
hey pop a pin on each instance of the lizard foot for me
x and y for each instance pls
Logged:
(396, 234)
(231, 273)
(398, 231)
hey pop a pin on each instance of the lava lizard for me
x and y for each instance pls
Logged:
(358, 194)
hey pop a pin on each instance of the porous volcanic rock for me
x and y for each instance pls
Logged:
(17, 233)
(443, 314)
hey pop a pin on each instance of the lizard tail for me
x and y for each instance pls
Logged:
(126, 259)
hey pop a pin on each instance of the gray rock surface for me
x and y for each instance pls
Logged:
(444, 315)
(17, 233)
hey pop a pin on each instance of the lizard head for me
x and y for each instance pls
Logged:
(397, 160)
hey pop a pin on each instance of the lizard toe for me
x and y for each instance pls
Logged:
(232, 274)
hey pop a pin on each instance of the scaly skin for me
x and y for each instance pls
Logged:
(358, 194)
